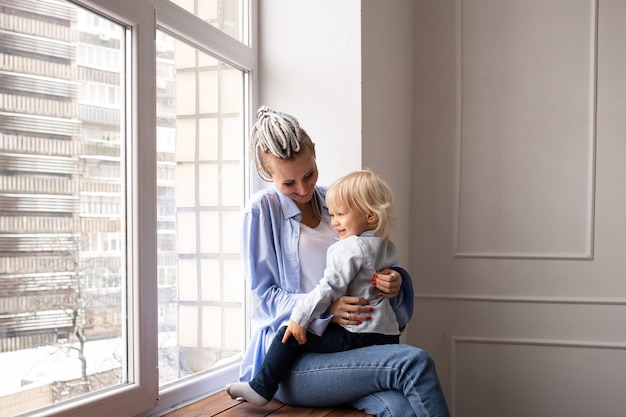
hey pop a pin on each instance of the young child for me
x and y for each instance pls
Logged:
(360, 212)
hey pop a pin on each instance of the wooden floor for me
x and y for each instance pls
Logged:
(220, 404)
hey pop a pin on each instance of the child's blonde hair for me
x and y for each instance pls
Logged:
(365, 192)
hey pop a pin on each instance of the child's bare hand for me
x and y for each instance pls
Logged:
(295, 330)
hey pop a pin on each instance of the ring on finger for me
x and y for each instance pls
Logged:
(348, 316)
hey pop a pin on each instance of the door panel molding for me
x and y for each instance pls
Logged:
(543, 378)
(527, 103)
(486, 298)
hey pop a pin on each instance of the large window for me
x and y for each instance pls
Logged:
(200, 192)
(63, 267)
(121, 187)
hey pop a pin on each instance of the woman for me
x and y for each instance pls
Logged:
(286, 234)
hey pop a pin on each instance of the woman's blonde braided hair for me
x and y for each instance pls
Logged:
(278, 134)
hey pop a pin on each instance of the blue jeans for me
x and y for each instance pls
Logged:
(281, 356)
(383, 380)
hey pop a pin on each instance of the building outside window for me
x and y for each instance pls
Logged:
(67, 281)
(201, 194)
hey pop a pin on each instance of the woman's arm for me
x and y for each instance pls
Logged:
(263, 259)
(402, 303)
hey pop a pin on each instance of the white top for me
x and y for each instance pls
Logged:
(312, 247)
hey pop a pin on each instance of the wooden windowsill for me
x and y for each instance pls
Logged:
(220, 404)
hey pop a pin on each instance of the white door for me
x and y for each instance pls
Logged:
(519, 205)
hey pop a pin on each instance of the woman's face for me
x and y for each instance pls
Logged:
(295, 177)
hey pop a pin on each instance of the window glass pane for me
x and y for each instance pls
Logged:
(200, 191)
(225, 15)
(62, 204)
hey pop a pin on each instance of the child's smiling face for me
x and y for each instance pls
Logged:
(347, 222)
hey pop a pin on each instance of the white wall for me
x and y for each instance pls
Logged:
(309, 66)
(387, 104)
(328, 63)
(518, 227)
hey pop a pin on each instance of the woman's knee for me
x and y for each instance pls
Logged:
(415, 353)
(416, 357)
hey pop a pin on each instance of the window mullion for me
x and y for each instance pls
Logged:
(142, 227)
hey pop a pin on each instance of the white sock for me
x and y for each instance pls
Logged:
(245, 391)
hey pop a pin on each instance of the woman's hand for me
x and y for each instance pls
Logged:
(350, 310)
(388, 282)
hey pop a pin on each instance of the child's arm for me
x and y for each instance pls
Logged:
(343, 259)
(295, 330)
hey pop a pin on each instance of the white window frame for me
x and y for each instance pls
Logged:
(141, 396)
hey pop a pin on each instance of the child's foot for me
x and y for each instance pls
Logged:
(245, 391)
